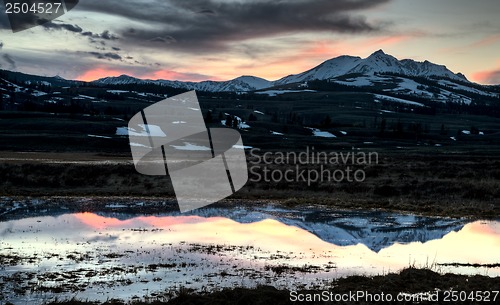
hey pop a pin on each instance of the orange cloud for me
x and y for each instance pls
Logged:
(487, 41)
(381, 42)
(293, 61)
(487, 77)
(482, 43)
(97, 73)
(181, 76)
(314, 53)
(101, 72)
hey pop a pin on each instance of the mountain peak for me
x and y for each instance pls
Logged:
(119, 80)
(379, 52)
(377, 62)
(381, 55)
(125, 76)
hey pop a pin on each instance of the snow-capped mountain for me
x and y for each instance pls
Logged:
(378, 62)
(379, 73)
(243, 83)
(120, 80)
(329, 69)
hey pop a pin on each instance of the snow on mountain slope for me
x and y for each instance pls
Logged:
(409, 87)
(254, 82)
(120, 80)
(279, 92)
(378, 62)
(453, 85)
(426, 68)
(329, 69)
(243, 83)
(19, 89)
(363, 80)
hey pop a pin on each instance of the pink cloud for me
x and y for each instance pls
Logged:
(181, 76)
(487, 41)
(99, 72)
(312, 54)
(487, 77)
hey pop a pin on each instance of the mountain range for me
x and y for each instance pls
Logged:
(382, 75)
(378, 62)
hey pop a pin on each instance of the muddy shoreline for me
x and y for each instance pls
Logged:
(436, 185)
(16, 207)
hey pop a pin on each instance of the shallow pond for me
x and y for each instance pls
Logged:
(105, 255)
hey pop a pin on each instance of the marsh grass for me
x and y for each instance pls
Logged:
(410, 280)
(439, 185)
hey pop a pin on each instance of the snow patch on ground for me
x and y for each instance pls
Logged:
(117, 91)
(322, 134)
(242, 147)
(278, 92)
(154, 131)
(397, 100)
(191, 147)
(138, 145)
(96, 136)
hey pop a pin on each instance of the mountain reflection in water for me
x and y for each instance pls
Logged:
(238, 246)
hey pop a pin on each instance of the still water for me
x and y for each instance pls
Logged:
(99, 256)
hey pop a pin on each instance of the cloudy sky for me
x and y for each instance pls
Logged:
(223, 39)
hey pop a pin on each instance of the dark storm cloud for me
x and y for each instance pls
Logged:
(166, 39)
(105, 35)
(109, 55)
(108, 36)
(207, 12)
(212, 24)
(62, 26)
(71, 64)
(4, 20)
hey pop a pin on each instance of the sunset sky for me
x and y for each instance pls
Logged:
(222, 39)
